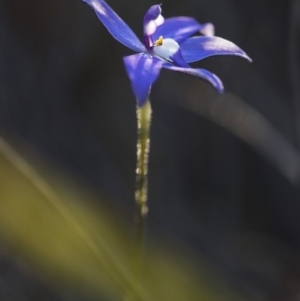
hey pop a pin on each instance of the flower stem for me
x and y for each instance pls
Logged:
(143, 144)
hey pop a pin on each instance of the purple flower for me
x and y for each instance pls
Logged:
(167, 44)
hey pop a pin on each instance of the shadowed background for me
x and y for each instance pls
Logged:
(224, 169)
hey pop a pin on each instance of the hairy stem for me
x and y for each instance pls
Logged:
(143, 144)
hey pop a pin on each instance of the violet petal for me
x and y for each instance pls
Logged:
(142, 70)
(178, 28)
(200, 47)
(201, 73)
(115, 25)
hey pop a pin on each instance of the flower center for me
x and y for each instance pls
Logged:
(165, 48)
(159, 42)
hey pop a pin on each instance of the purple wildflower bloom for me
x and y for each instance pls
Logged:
(167, 44)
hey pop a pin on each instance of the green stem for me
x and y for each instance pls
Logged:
(143, 144)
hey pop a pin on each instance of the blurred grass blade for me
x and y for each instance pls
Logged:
(46, 229)
(85, 248)
(250, 126)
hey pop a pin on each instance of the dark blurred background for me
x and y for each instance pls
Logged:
(224, 170)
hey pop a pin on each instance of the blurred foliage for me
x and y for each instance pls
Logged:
(86, 247)
(234, 114)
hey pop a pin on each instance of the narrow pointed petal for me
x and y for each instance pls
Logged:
(115, 25)
(180, 28)
(201, 73)
(142, 70)
(198, 48)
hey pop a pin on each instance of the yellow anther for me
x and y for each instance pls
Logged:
(159, 42)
